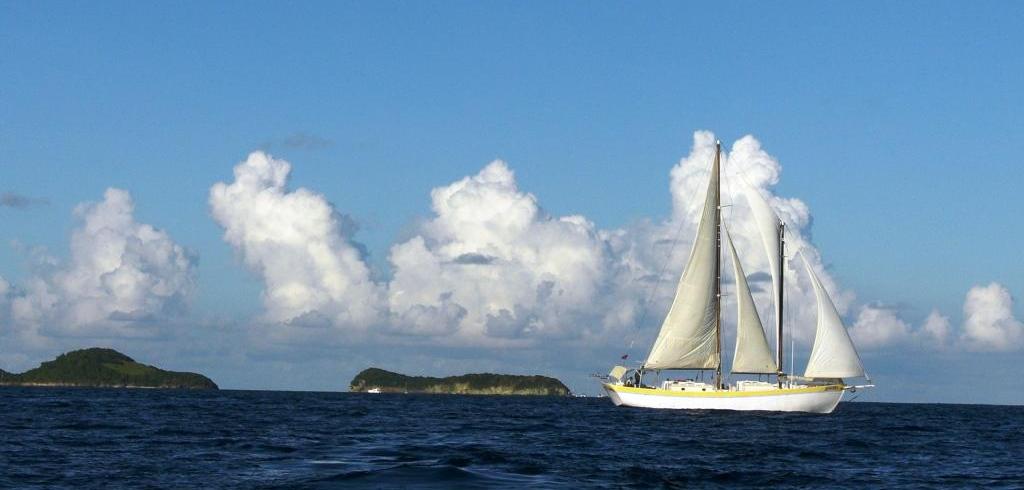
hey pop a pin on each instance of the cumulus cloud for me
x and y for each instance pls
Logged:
(989, 324)
(748, 168)
(513, 270)
(491, 267)
(649, 255)
(121, 275)
(988, 320)
(936, 330)
(878, 326)
(294, 240)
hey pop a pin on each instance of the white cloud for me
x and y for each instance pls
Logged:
(747, 163)
(121, 276)
(989, 324)
(877, 326)
(293, 239)
(504, 268)
(936, 330)
(491, 267)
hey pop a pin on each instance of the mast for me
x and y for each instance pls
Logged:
(718, 269)
(782, 288)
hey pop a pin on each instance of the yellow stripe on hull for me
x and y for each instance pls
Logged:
(723, 393)
(813, 399)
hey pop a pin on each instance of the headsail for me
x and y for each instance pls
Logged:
(752, 353)
(688, 337)
(833, 354)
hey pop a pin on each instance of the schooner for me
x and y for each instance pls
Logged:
(691, 334)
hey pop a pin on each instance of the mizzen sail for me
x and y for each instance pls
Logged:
(833, 354)
(689, 335)
(752, 354)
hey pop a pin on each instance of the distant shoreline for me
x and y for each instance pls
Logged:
(103, 368)
(375, 380)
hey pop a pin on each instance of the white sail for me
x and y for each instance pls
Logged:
(689, 335)
(767, 226)
(833, 354)
(752, 354)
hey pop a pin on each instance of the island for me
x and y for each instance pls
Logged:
(103, 368)
(374, 380)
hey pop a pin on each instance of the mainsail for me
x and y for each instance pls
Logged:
(689, 335)
(833, 354)
(752, 353)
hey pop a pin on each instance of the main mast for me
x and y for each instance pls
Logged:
(782, 288)
(718, 267)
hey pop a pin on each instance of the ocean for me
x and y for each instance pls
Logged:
(85, 438)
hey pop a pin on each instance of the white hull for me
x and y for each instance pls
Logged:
(819, 399)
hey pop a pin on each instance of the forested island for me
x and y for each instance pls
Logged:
(467, 384)
(103, 368)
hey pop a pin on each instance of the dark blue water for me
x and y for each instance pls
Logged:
(173, 439)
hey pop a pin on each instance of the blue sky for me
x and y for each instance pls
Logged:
(898, 125)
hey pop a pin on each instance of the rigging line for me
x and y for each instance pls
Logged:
(654, 289)
(729, 192)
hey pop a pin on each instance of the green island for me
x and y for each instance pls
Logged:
(103, 368)
(383, 381)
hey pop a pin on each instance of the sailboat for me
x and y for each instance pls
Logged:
(691, 334)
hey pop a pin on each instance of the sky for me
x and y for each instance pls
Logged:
(280, 195)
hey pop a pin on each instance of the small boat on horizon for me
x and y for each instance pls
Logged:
(691, 334)
(373, 390)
